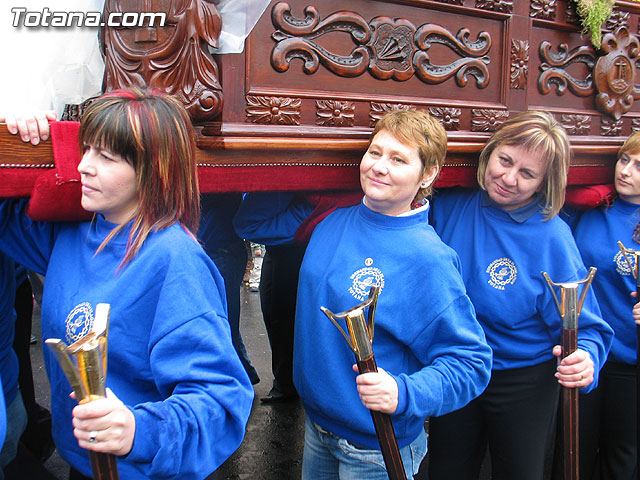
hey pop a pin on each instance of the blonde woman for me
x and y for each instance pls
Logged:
(506, 233)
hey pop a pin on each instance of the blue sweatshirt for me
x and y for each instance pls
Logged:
(502, 255)
(426, 334)
(597, 234)
(170, 357)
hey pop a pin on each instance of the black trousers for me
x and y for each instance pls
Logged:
(278, 292)
(608, 426)
(514, 417)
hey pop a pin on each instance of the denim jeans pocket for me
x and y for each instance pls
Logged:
(362, 454)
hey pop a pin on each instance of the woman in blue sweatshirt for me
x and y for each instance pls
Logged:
(506, 234)
(432, 354)
(608, 414)
(178, 397)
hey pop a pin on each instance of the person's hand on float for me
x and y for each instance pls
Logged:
(31, 128)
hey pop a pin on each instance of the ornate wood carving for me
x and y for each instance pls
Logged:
(576, 124)
(377, 110)
(487, 120)
(610, 127)
(449, 117)
(635, 125)
(273, 110)
(387, 48)
(571, 15)
(504, 6)
(519, 63)
(174, 58)
(545, 9)
(473, 55)
(554, 65)
(615, 73)
(74, 112)
(334, 113)
(617, 20)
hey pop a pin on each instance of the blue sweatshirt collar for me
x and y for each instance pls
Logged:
(521, 214)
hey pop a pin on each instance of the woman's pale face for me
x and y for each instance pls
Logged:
(391, 174)
(108, 185)
(627, 177)
(514, 175)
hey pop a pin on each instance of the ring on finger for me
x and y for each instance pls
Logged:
(92, 436)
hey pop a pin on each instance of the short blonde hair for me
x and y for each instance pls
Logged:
(416, 128)
(535, 131)
(631, 146)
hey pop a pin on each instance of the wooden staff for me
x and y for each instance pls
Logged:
(87, 379)
(569, 306)
(360, 340)
(633, 267)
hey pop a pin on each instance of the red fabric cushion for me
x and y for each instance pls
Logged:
(325, 203)
(589, 196)
(56, 193)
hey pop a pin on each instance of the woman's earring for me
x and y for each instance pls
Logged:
(423, 185)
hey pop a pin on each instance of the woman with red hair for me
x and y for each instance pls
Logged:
(178, 397)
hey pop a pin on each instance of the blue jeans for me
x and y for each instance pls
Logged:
(329, 457)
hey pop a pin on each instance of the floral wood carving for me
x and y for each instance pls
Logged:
(576, 124)
(173, 58)
(334, 113)
(545, 9)
(618, 19)
(449, 117)
(377, 110)
(486, 120)
(504, 6)
(387, 48)
(615, 73)
(519, 63)
(273, 110)
(635, 125)
(554, 69)
(610, 127)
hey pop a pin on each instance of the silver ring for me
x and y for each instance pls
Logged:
(92, 436)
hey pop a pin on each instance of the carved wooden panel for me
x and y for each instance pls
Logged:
(615, 73)
(174, 58)
(315, 76)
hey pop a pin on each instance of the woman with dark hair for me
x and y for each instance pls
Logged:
(506, 233)
(608, 414)
(178, 397)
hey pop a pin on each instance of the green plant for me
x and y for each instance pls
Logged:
(593, 14)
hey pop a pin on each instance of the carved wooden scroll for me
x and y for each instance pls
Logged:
(174, 58)
(386, 48)
(554, 68)
(615, 74)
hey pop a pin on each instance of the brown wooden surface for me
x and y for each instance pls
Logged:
(315, 76)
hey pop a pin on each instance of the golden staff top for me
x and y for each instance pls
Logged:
(360, 336)
(569, 305)
(87, 378)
